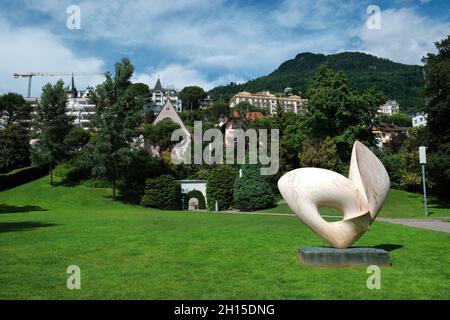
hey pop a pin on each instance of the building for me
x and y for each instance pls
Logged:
(160, 95)
(206, 103)
(79, 106)
(390, 135)
(269, 101)
(389, 108)
(419, 119)
(168, 112)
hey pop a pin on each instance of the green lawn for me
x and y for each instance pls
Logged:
(125, 251)
(399, 204)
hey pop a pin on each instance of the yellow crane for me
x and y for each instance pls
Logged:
(30, 75)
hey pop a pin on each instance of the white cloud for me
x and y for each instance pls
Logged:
(37, 50)
(405, 36)
(178, 76)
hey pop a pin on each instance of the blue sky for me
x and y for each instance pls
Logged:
(205, 42)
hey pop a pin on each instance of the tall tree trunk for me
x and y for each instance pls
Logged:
(114, 189)
(51, 174)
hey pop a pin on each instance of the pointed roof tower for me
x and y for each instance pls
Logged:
(73, 91)
(158, 86)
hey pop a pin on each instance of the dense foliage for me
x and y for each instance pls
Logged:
(163, 192)
(437, 90)
(252, 191)
(219, 187)
(397, 81)
(191, 97)
(118, 117)
(335, 110)
(52, 125)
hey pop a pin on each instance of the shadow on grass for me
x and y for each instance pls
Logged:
(22, 226)
(389, 247)
(122, 199)
(4, 208)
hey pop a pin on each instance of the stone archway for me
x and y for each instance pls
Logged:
(193, 204)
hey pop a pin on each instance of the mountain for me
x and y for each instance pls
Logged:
(401, 82)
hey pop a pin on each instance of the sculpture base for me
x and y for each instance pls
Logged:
(331, 257)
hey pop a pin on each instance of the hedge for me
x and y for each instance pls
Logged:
(163, 192)
(252, 191)
(20, 176)
(195, 194)
(219, 187)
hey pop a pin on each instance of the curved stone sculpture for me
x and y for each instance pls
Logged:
(359, 197)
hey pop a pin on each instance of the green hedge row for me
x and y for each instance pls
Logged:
(20, 176)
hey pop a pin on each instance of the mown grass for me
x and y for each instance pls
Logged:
(125, 251)
(399, 204)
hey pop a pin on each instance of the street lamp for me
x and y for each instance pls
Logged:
(423, 161)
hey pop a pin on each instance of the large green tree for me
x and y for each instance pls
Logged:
(14, 138)
(437, 91)
(51, 125)
(13, 108)
(336, 110)
(119, 114)
(191, 97)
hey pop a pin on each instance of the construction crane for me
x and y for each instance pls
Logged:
(30, 75)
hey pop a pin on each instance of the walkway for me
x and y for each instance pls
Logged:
(435, 224)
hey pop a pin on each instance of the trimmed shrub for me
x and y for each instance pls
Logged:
(252, 191)
(20, 176)
(163, 192)
(219, 186)
(195, 194)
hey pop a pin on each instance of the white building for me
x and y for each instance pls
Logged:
(269, 101)
(160, 95)
(419, 119)
(189, 185)
(79, 107)
(389, 108)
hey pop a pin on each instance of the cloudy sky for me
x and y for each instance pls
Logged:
(205, 42)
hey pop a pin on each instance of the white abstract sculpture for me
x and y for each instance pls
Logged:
(359, 198)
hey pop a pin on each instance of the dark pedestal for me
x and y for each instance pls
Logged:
(331, 257)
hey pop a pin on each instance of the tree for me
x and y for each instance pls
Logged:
(219, 186)
(163, 192)
(159, 134)
(219, 109)
(195, 194)
(191, 97)
(13, 108)
(319, 154)
(119, 115)
(399, 119)
(139, 166)
(14, 147)
(411, 178)
(252, 191)
(335, 110)
(51, 125)
(437, 91)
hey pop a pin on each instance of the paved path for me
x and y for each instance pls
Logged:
(436, 224)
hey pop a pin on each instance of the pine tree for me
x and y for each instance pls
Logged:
(119, 114)
(51, 125)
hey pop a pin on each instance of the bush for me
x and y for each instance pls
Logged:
(163, 192)
(195, 194)
(220, 185)
(252, 191)
(20, 176)
(138, 167)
